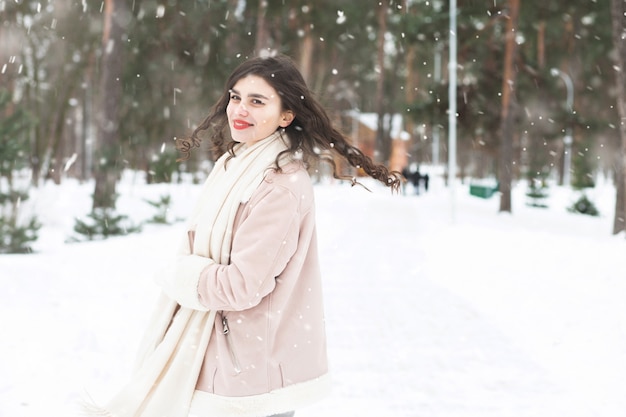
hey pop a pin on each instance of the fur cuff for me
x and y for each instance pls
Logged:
(180, 280)
(281, 400)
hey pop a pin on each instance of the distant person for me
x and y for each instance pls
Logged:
(412, 177)
(417, 179)
(239, 327)
(406, 173)
(425, 178)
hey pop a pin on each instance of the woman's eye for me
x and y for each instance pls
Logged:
(234, 97)
(256, 101)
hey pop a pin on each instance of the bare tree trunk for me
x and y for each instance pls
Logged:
(306, 55)
(505, 176)
(619, 220)
(307, 45)
(618, 13)
(86, 139)
(382, 145)
(35, 148)
(108, 161)
(541, 45)
(58, 137)
(410, 86)
(57, 145)
(262, 34)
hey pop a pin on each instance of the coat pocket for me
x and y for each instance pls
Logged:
(230, 344)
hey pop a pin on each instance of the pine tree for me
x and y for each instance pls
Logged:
(618, 14)
(16, 232)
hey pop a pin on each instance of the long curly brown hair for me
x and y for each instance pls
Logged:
(310, 133)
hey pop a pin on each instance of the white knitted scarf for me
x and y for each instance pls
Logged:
(175, 342)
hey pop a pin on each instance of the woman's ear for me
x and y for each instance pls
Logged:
(287, 118)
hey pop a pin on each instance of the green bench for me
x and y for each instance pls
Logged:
(483, 190)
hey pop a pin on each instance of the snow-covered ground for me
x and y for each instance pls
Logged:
(436, 306)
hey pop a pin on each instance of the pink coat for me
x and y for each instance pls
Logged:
(269, 330)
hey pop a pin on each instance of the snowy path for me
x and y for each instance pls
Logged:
(425, 317)
(452, 333)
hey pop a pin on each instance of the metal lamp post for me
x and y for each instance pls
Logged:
(452, 83)
(567, 139)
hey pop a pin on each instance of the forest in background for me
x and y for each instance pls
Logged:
(89, 88)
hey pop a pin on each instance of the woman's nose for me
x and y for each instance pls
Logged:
(241, 109)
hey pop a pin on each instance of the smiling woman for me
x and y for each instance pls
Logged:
(255, 111)
(239, 327)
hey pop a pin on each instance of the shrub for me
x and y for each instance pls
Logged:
(103, 223)
(537, 193)
(584, 206)
(162, 167)
(162, 206)
(16, 238)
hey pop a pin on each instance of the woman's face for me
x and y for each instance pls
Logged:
(255, 110)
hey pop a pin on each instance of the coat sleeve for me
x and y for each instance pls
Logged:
(179, 278)
(262, 245)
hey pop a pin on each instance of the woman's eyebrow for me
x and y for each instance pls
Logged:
(253, 95)
(257, 95)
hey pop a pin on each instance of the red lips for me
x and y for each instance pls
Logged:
(241, 124)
